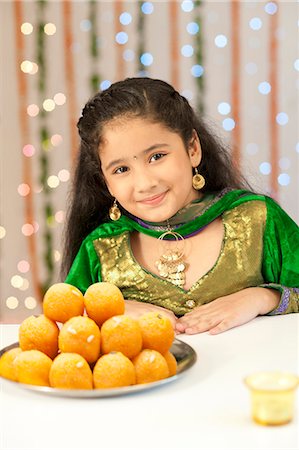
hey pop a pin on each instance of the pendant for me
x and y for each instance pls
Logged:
(172, 267)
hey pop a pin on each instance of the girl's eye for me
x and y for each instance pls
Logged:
(120, 170)
(156, 156)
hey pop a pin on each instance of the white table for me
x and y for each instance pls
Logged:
(207, 407)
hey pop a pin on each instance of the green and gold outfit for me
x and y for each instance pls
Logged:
(260, 248)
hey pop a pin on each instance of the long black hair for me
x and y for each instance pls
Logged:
(158, 102)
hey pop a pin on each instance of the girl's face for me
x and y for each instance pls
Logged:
(147, 168)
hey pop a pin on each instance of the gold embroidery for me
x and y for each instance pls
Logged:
(237, 267)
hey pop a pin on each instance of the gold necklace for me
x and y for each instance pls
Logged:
(171, 265)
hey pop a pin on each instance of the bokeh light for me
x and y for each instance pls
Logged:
(125, 18)
(282, 118)
(220, 41)
(23, 266)
(192, 28)
(187, 50)
(16, 281)
(64, 175)
(224, 108)
(228, 124)
(59, 216)
(28, 150)
(271, 8)
(255, 23)
(32, 110)
(50, 29)
(265, 168)
(128, 55)
(85, 25)
(147, 8)
(27, 229)
(30, 302)
(53, 181)
(146, 59)
(187, 5)
(12, 302)
(105, 84)
(59, 98)
(121, 38)
(264, 87)
(26, 28)
(197, 70)
(48, 105)
(56, 139)
(23, 189)
(2, 232)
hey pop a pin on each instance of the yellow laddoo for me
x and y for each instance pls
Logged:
(7, 364)
(70, 371)
(121, 334)
(113, 370)
(150, 366)
(63, 301)
(39, 333)
(157, 331)
(171, 362)
(103, 300)
(80, 335)
(33, 367)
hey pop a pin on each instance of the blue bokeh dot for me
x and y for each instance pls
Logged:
(147, 8)
(146, 59)
(197, 70)
(125, 18)
(105, 84)
(192, 28)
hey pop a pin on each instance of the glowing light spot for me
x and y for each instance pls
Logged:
(147, 8)
(284, 163)
(251, 68)
(26, 28)
(125, 18)
(35, 226)
(265, 168)
(187, 5)
(48, 104)
(129, 55)
(105, 84)
(146, 59)
(121, 38)
(53, 181)
(264, 87)
(59, 216)
(27, 229)
(284, 179)
(50, 29)
(296, 65)
(197, 70)
(220, 41)
(12, 302)
(28, 150)
(32, 110)
(271, 8)
(297, 150)
(25, 285)
(56, 139)
(192, 28)
(228, 124)
(59, 98)
(23, 189)
(2, 232)
(255, 23)
(282, 118)
(85, 25)
(64, 175)
(224, 108)
(23, 266)
(30, 302)
(34, 69)
(252, 148)
(187, 94)
(57, 255)
(187, 50)
(26, 66)
(16, 281)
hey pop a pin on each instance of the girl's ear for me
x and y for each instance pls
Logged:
(194, 150)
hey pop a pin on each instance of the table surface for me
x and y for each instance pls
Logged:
(207, 407)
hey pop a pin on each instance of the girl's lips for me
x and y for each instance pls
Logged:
(156, 199)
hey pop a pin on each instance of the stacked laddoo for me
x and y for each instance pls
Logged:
(87, 342)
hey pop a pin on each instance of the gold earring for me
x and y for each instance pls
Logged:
(114, 211)
(198, 180)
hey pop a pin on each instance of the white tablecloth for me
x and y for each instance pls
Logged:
(207, 407)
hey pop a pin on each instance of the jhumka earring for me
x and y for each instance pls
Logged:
(198, 180)
(114, 211)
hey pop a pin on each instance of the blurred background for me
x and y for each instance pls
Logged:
(236, 62)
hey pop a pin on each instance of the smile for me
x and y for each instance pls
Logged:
(154, 200)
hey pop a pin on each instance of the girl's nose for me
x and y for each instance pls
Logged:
(144, 181)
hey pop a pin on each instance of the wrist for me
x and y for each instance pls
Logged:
(269, 300)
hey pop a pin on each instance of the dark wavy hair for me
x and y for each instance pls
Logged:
(153, 100)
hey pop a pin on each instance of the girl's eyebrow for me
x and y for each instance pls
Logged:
(116, 162)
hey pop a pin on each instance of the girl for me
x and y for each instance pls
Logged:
(159, 210)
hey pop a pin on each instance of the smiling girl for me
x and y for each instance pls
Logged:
(159, 210)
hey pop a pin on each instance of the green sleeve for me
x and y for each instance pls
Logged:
(86, 268)
(281, 257)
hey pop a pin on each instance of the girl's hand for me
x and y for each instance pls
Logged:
(230, 311)
(136, 309)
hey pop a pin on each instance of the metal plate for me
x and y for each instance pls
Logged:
(184, 354)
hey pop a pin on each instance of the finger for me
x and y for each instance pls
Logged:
(221, 327)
